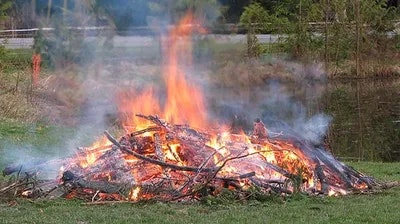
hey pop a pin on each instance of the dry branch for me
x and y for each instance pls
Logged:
(154, 161)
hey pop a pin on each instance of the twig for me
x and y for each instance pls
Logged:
(157, 162)
(14, 185)
(243, 176)
(94, 196)
(109, 202)
(155, 120)
(149, 129)
(267, 185)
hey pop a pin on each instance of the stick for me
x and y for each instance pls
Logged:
(157, 162)
(149, 129)
(274, 188)
(155, 120)
(322, 178)
(243, 176)
(109, 202)
(158, 147)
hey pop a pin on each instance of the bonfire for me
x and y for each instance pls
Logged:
(173, 152)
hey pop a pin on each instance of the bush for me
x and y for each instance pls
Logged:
(63, 47)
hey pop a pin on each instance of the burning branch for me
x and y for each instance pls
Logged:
(154, 161)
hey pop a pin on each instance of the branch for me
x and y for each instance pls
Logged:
(155, 161)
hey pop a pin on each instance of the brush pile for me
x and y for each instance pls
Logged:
(167, 162)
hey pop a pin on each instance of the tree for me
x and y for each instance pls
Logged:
(254, 18)
(172, 11)
(124, 13)
(5, 5)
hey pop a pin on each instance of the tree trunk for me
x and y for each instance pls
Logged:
(33, 10)
(358, 35)
(65, 8)
(326, 34)
(49, 4)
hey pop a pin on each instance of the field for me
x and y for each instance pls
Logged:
(22, 127)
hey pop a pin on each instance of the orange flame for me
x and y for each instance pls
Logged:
(93, 152)
(131, 103)
(184, 101)
(134, 194)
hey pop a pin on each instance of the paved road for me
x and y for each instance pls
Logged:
(136, 41)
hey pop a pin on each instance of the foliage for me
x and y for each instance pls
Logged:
(4, 6)
(254, 18)
(301, 20)
(14, 60)
(64, 47)
(3, 52)
(207, 11)
(125, 13)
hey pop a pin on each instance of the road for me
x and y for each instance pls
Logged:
(136, 41)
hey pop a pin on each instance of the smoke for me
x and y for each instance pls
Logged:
(88, 94)
(293, 108)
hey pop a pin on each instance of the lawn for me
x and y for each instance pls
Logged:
(377, 208)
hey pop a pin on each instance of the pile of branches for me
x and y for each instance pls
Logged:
(136, 167)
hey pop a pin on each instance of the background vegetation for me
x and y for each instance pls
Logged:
(355, 38)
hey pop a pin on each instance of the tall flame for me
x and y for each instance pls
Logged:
(184, 101)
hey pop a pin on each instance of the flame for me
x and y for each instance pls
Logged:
(134, 194)
(130, 103)
(93, 152)
(184, 101)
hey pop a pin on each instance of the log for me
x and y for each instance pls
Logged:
(264, 185)
(158, 147)
(322, 178)
(75, 181)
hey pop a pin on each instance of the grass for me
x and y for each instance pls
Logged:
(378, 208)
(25, 139)
(15, 60)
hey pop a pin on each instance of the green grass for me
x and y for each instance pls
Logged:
(15, 60)
(379, 208)
(30, 139)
